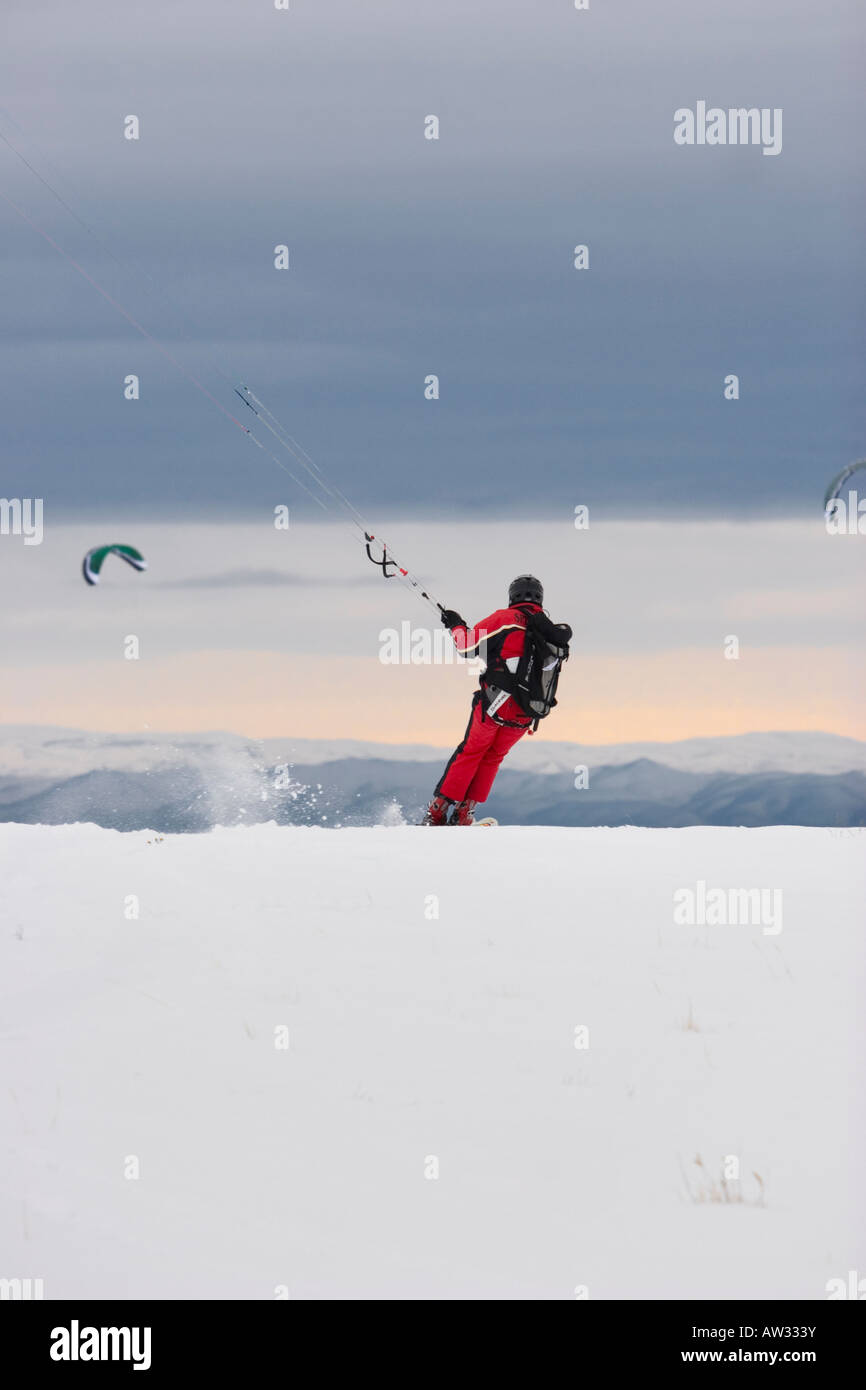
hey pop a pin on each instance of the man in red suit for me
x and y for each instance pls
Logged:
(498, 719)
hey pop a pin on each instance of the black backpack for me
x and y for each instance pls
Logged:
(533, 684)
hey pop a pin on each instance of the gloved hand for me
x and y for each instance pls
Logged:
(451, 619)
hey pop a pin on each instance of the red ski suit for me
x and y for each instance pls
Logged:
(473, 765)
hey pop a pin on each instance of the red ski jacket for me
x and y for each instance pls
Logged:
(510, 621)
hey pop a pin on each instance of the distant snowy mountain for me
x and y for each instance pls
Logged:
(191, 782)
(737, 753)
(45, 749)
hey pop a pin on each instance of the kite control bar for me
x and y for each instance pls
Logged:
(385, 560)
(397, 569)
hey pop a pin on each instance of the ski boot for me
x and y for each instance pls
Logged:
(463, 814)
(437, 811)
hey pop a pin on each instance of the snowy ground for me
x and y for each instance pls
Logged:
(414, 1037)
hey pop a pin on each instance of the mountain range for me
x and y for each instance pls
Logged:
(192, 782)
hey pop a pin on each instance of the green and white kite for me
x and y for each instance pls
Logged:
(94, 560)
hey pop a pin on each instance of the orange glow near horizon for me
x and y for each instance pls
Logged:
(604, 699)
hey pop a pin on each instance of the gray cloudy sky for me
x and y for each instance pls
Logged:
(411, 257)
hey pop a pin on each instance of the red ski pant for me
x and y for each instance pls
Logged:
(475, 762)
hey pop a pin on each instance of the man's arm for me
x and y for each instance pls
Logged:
(468, 639)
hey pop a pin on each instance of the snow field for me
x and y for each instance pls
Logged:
(433, 986)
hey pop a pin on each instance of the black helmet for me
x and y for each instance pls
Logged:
(526, 589)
